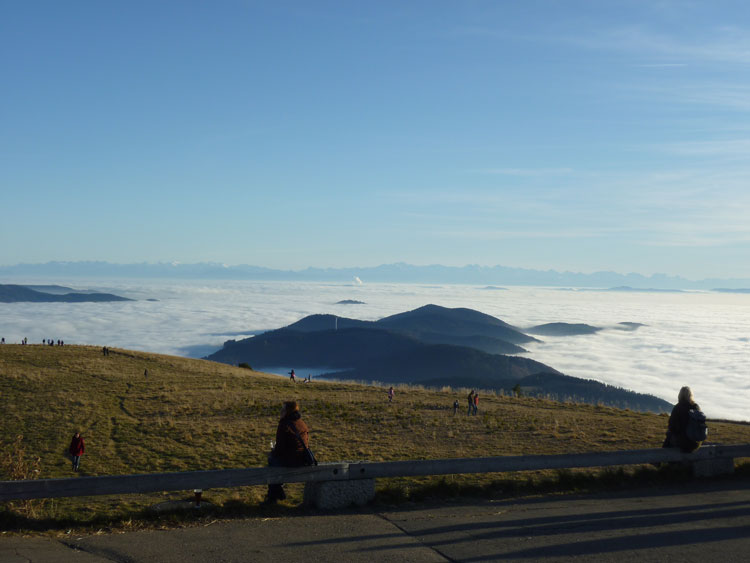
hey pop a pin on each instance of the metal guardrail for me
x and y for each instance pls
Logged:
(228, 478)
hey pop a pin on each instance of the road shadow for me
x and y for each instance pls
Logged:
(587, 530)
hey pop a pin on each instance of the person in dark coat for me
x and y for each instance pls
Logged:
(76, 449)
(292, 439)
(678, 422)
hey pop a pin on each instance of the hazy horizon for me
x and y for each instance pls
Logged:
(400, 272)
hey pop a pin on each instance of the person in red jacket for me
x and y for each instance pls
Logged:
(292, 439)
(77, 447)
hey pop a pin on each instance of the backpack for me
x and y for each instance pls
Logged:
(696, 430)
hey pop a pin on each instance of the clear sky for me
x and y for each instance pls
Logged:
(569, 135)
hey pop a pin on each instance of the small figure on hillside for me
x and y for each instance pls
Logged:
(470, 399)
(145, 373)
(292, 441)
(76, 450)
(391, 392)
(455, 407)
(476, 403)
(2, 340)
(687, 424)
(291, 376)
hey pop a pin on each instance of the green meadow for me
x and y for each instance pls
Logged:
(190, 414)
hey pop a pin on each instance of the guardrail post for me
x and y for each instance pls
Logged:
(717, 463)
(343, 493)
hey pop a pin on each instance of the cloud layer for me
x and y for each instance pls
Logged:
(696, 339)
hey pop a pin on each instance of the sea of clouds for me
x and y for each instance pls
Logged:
(700, 339)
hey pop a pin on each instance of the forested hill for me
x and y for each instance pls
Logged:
(432, 345)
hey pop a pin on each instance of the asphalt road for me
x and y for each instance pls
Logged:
(698, 521)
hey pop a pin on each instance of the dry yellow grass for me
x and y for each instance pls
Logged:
(193, 414)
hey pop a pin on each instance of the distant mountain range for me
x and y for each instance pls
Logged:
(488, 276)
(432, 346)
(52, 294)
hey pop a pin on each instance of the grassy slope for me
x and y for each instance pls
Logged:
(194, 414)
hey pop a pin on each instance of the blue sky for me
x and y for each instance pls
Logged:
(567, 135)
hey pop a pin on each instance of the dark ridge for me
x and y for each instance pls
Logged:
(457, 322)
(343, 348)
(21, 294)
(629, 326)
(442, 364)
(563, 329)
(314, 323)
(563, 388)
(487, 344)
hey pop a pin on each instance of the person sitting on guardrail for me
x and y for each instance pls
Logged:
(292, 441)
(679, 433)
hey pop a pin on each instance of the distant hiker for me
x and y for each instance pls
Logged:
(455, 407)
(292, 440)
(391, 392)
(76, 449)
(145, 373)
(291, 376)
(470, 399)
(2, 340)
(686, 419)
(476, 403)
